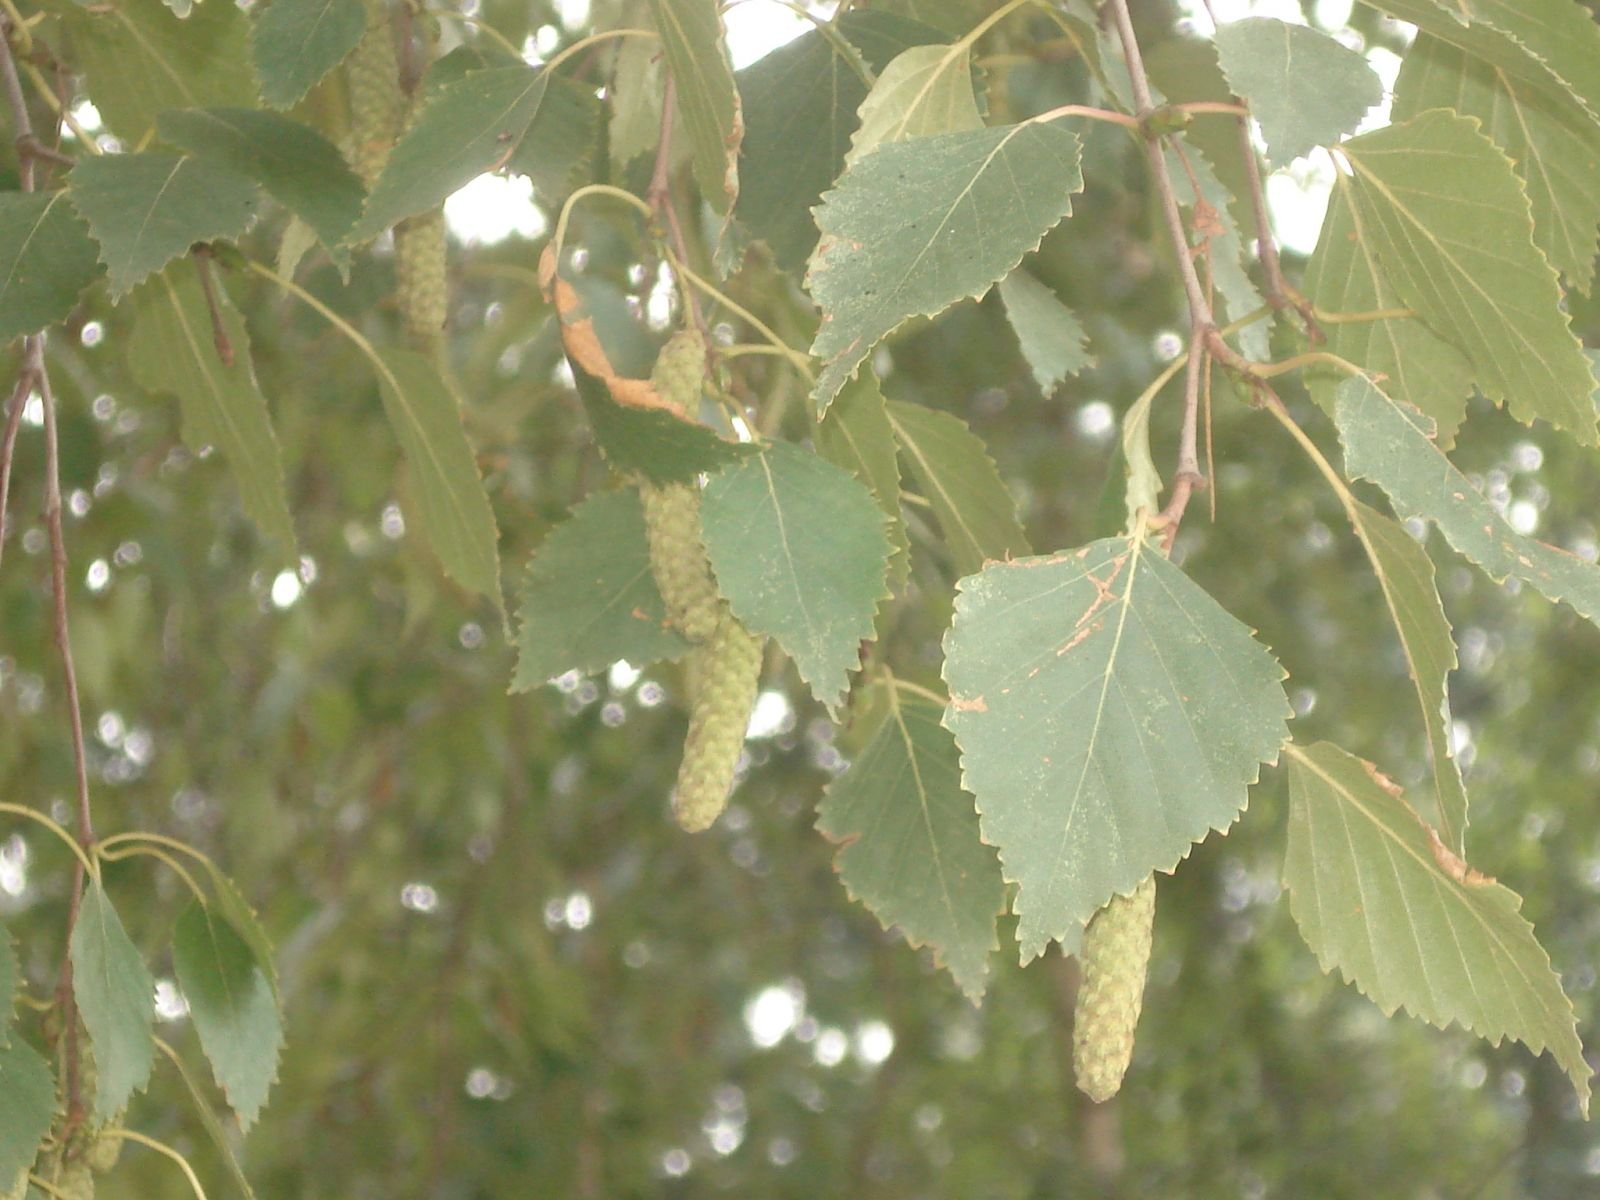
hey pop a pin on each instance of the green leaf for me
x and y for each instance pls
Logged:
(462, 130)
(1450, 224)
(172, 351)
(1344, 276)
(562, 142)
(924, 91)
(800, 104)
(857, 436)
(230, 902)
(975, 512)
(1407, 921)
(800, 552)
(910, 849)
(1405, 573)
(653, 442)
(454, 509)
(233, 1007)
(46, 260)
(916, 226)
(298, 167)
(590, 598)
(116, 998)
(1388, 443)
(697, 55)
(296, 42)
(221, 1139)
(1552, 44)
(1554, 147)
(27, 1107)
(146, 209)
(1110, 714)
(137, 60)
(1305, 88)
(1052, 340)
(1197, 184)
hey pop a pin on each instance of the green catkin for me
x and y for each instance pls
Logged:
(678, 558)
(421, 288)
(1115, 959)
(725, 672)
(377, 105)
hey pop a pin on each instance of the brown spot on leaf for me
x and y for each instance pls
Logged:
(1453, 865)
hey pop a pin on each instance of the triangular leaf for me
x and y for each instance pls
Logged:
(1052, 339)
(146, 209)
(1306, 89)
(692, 38)
(462, 130)
(172, 351)
(233, 1007)
(47, 258)
(1451, 226)
(1407, 921)
(976, 514)
(924, 91)
(800, 105)
(137, 59)
(298, 167)
(27, 1106)
(296, 42)
(1388, 443)
(917, 226)
(590, 597)
(1110, 714)
(1554, 146)
(857, 436)
(562, 142)
(1405, 573)
(1344, 276)
(799, 551)
(455, 512)
(116, 998)
(910, 847)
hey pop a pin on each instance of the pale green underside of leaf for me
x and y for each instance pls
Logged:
(47, 258)
(925, 90)
(1344, 277)
(463, 129)
(298, 167)
(857, 435)
(27, 1106)
(1110, 714)
(455, 512)
(590, 598)
(1411, 927)
(1453, 233)
(697, 56)
(800, 552)
(800, 104)
(1051, 337)
(232, 1005)
(171, 350)
(1552, 44)
(1388, 443)
(1405, 573)
(1306, 89)
(910, 849)
(296, 42)
(116, 998)
(137, 60)
(146, 209)
(916, 226)
(1555, 147)
(975, 510)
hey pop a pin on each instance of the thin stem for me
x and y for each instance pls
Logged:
(150, 1143)
(8, 445)
(208, 288)
(659, 193)
(1266, 244)
(1082, 110)
(595, 39)
(18, 104)
(33, 814)
(1295, 362)
(478, 23)
(583, 193)
(160, 856)
(797, 358)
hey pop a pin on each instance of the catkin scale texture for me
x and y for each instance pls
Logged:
(1115, 959)
(726, 671)
(377, 105)
(420, 284)
(678, 558)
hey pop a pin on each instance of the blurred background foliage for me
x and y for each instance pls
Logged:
(508, 974)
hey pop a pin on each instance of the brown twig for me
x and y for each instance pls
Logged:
(8, 446)
(208, 288)
(659, 195)
(1203, 336)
